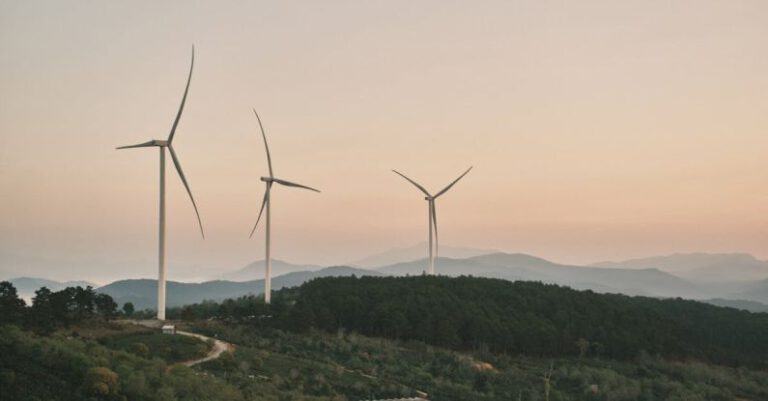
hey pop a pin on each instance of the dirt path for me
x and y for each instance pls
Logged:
(219, 347)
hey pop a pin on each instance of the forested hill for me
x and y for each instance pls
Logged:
(525, 317)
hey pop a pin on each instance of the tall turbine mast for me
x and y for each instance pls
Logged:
(163, 145)
(265, 204)
(432, 216)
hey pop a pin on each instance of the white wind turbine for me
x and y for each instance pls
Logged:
(432, 215)
(265, 203)
(163, 145)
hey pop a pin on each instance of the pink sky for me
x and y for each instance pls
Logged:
(598, 129)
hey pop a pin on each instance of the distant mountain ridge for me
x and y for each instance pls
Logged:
(143, 292)
(750, 306)
(415, 252)
(754, 292)
(648, 282)
(634, 277)
(701, 266)
(255, 270)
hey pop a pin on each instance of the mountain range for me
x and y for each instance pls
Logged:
(143, 292)
(648, 282)
(414, 252)
(255, 270)
(679, 275)
(701, 267)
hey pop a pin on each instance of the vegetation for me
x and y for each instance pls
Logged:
(60, 368)
(152, 343)
(348, 366)
(277, 365)
(456, 339)
(51, 310)
(128, 309)
(478, 314)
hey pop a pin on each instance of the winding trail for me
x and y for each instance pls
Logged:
(219, 347)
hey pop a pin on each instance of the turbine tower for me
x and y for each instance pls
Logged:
(432, 216)
(163, 145)
(265, 203)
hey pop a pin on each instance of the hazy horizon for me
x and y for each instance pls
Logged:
(597, 131)
(202, 273)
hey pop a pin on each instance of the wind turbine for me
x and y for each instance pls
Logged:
(265, 203)
(432, 217)
(163, 145)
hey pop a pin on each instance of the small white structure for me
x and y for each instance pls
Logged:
(169, 329)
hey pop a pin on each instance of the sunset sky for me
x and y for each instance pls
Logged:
(598, 130)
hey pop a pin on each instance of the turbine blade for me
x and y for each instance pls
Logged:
(413, 182)
(293, 184)
(263, 203)
(263, 135)
(183, 99)
(141, 145)
(453, 183)
(434, 224)
(186, 185)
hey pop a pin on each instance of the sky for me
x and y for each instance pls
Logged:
(598, 130)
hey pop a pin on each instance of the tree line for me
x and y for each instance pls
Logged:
(53, 309)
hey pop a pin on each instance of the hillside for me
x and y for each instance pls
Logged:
(350, 338)
(67, 367)
(531, 318)
(143, 292)
(274, 365)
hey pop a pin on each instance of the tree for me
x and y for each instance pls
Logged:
(140, 349)
(84, 300)
(42, 317)
(64, 308)
(11, 306)
(106, 307)
(100, 381)
(128, 308)
(188, 314)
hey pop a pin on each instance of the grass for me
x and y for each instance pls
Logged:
(358, 367)
(97, 329)
(151, 344)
